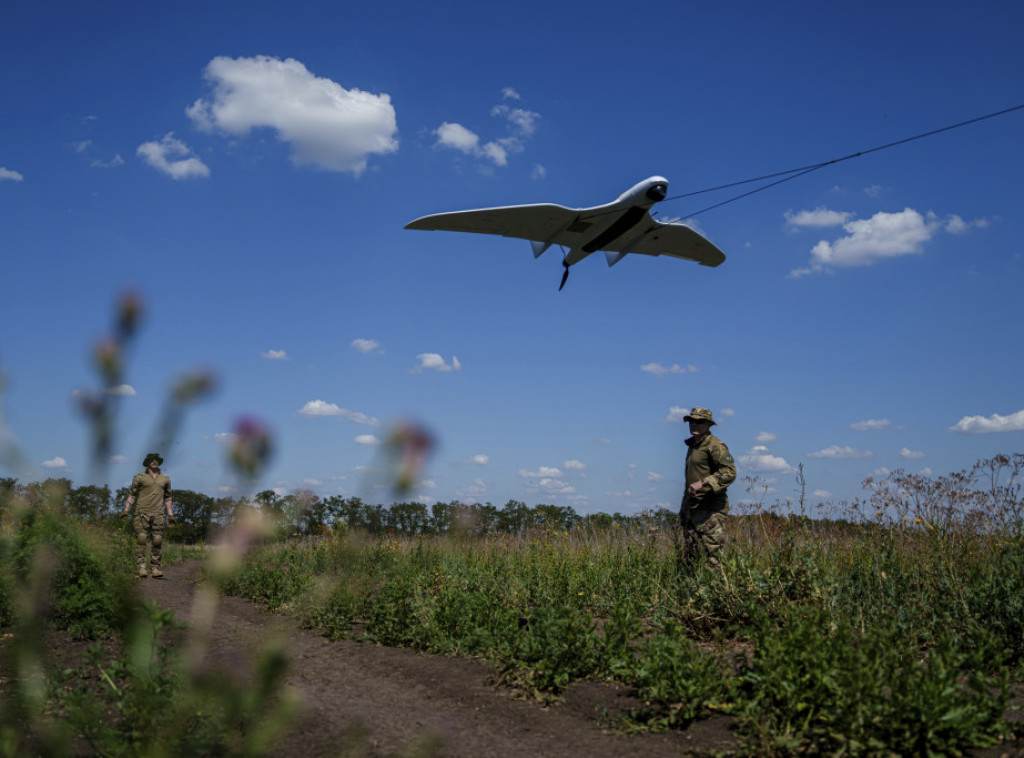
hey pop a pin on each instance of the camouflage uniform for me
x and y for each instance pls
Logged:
(149, 494)
(702, 514)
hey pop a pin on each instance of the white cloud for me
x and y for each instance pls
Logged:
(478, 460)
(470, 494)
(510, 94)
(542, 472)
(835, 451)
(274, 355)
(759, 459)
(367, 440)
(366, 346)
(55, 463)
(574, 465)
(765, 437)
(457, 137)
(871, 424)
(818, 218)
(821, 493)
(117, 160)
(118, 459)
(658, 370)
(520, 125)
(322, 408)
(160, 156)
(727, 413)
(990, 424)
(434, 362)
(868, 241)
(653, 477)
(121, 390)
(8, 174)
(908, 453)
(538, 172)
(676, 414)
(327, 126)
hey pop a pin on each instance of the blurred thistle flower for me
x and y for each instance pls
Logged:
(129, 314)
(409, 445)
(251, 448)
(193, 387)
(107, 356)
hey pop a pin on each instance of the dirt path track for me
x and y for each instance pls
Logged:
(362, 700)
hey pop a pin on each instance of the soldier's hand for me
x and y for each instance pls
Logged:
(171, 520)
(125, 515)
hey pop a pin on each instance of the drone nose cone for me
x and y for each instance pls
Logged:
(658, 192)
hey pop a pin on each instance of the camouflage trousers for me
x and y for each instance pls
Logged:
(149, 530)
(703, 535)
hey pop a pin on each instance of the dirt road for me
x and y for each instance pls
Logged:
(362, 700)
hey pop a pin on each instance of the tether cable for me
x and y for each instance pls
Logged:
(795, 173)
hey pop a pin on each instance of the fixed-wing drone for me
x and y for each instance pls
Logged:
(618, 228)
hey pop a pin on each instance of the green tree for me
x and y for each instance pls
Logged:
(90, 502)
(194, 512)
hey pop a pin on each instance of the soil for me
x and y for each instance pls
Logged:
(364, 700)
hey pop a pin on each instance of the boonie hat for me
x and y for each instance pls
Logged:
(699, 414)
(152, 456)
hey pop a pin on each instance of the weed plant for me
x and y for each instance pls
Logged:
(884, 633)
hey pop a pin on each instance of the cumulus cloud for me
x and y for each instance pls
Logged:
(274, 355)
(366, 346)
(835, 451)
(676, 414)
(322, 408)
(540, 473)
(9, 175)
(327, 126)
(55, 463)
(868, 241)
(990, 424)
(117, 160)
(173, 157)
(478, 460)
(759, 459)
(818, 218)
(765, 437)
(658, 370)
(368, 440)
(906, 452)
(520, 124)
(434, 362)
(121, 390)
(871, 424)
(574, 465)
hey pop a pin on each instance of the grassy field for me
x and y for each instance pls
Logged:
(897, 634)
(897, 629)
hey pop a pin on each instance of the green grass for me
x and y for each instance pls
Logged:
(861, 638)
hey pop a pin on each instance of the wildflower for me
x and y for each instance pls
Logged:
(252, 446)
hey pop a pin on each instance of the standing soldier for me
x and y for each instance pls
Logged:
(151, 494)
(710, 469)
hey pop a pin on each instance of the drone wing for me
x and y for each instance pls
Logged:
(543, 222)
(677, 241)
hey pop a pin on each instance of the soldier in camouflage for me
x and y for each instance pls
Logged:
(150, 493)
(710, 469)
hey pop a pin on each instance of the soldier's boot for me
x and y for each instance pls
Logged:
(142, 571)
(156, 573)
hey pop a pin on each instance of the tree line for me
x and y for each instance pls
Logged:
(303, 512)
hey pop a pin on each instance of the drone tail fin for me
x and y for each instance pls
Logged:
(614, 258)
(539, 247)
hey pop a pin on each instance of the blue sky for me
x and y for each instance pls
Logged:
(247, 169)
